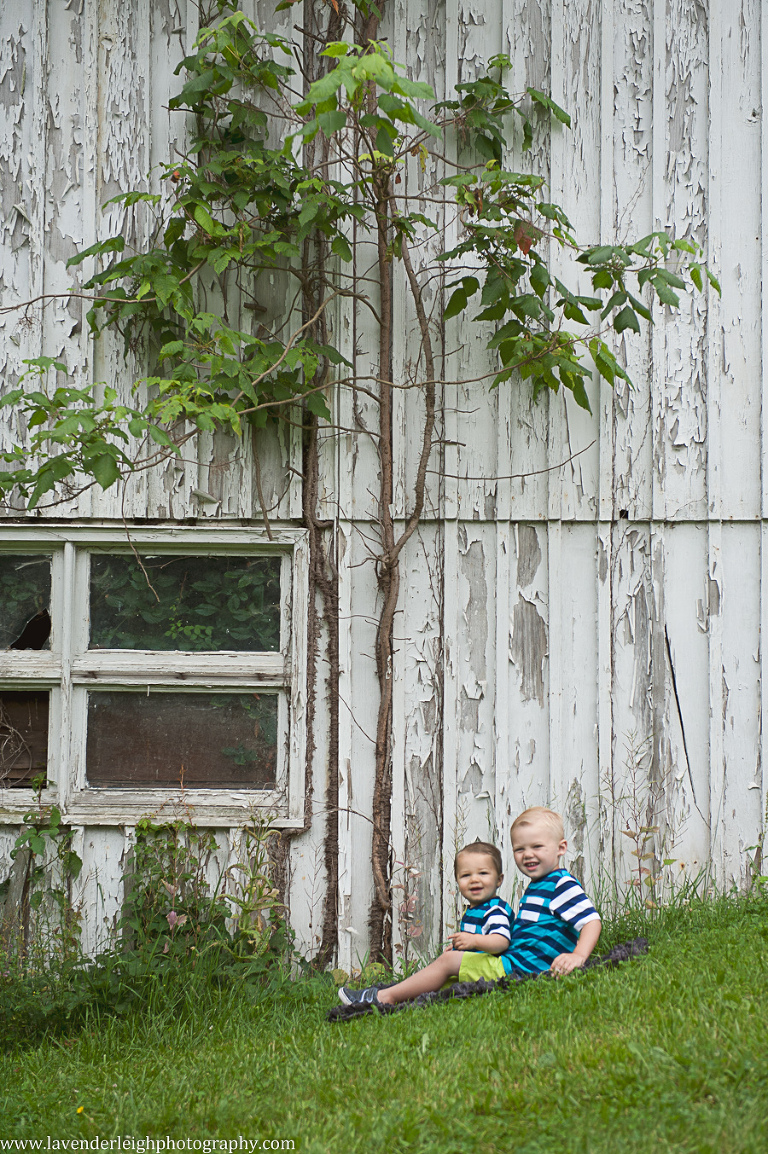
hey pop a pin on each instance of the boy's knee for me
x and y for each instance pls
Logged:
(452, 961)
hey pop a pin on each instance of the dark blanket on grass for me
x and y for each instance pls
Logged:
(621, 953)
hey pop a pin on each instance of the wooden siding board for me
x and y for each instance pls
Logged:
(522, 769)
(733, 246)
(98, 890)
(684, 605)
(576, 86)
(740, 817)
(630, 181)
(23, 122)
(763, 792)
(418, 802)
(680, 196)
(574, 776)
(475, 667)
(358, 698)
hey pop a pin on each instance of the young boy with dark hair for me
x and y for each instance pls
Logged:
(556, 928)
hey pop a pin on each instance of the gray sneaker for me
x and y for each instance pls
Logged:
(352, 997)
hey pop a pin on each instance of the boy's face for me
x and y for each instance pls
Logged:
(477, 877)
(537, 850)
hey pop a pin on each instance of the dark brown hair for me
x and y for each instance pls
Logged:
(480, 847)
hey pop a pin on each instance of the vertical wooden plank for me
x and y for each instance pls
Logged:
(417, 813)
(23, 46)
(686, 613)
(633, 121)
(607, 433)
(359, 697)
(98, 890)
(734, 323)
(475, 665)
(450, 624)
(503, 771)
(525, 647)
(574, 775)
(740, 817)
(522, 424)
(763, 792)
(417, 704)
(680, 194)
(625, 564)
(557, 673)
(717, 682)
(576, 85)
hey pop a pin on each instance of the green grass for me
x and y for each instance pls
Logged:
(666, 1053)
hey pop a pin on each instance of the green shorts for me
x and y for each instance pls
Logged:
(475, 966)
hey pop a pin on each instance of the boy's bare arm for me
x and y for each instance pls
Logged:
(488, 943)
(565, 963)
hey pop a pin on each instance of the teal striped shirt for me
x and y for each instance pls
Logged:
(552, 914)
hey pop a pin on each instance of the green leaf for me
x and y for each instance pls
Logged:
(547, 102)
(456, 304)
(113, 244)
(665, 294)
(206, 221)
(713, 280)
(696, 277)
(599, 255)
(104, 469)
(129, 198)
(540, 278)
(335, 48)
(331, 122)
(580, 394)
(603, 279)
(416, 89)
(340, 247)
(317, 405)
(171, 349)
(626, 319)
(384, 139)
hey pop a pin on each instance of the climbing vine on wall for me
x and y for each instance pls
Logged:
(283, 166)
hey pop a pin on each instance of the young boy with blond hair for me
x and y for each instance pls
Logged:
(556, 927)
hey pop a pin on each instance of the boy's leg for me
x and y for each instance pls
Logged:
(426, 981)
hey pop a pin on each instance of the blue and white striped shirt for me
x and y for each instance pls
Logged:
(492, 917)
(552, 914)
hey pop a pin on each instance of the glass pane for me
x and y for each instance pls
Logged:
(210, 740)
(194, 604)
(23, 738)
(25, 598)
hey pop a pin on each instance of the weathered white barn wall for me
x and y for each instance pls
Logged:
(578, 584)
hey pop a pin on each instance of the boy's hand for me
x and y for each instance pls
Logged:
(462, 941)
(566, 963)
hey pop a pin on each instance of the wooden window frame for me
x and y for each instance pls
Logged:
(69, 670)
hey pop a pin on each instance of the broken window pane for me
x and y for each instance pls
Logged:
(205, 740)
(197, 604)
(25, 601)
(23, 738)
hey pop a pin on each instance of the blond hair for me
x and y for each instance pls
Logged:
(539, 814)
